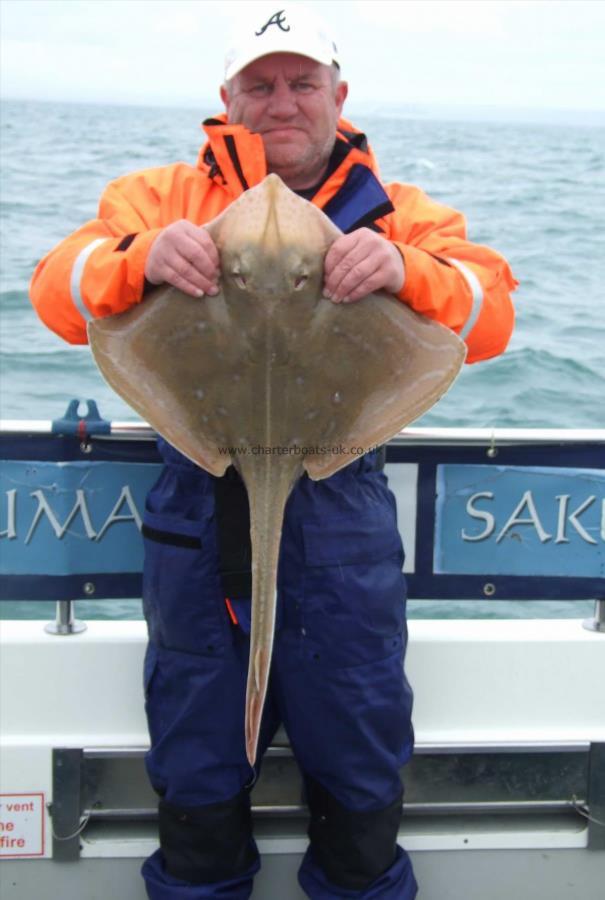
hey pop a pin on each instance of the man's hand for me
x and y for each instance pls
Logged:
(361, 262)
(184, 255)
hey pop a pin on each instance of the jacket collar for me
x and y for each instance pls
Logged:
(234, 157)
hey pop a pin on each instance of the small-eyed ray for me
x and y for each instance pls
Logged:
(272, 377)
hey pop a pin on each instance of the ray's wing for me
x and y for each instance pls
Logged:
(172, 358)
(382, 365)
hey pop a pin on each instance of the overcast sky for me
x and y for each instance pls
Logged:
(538, 54)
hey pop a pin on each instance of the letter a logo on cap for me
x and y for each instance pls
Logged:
(278, 19)
(292, 29)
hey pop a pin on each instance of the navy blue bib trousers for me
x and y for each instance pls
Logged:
(337, 684)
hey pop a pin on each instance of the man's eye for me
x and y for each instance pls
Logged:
(303, 87)
(259, 90)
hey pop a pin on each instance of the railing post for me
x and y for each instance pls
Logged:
(65, 623)
(597, 623)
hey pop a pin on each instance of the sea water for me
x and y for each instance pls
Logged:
(534, 191)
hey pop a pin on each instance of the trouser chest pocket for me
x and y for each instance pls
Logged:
(182, 596)
(354, 589)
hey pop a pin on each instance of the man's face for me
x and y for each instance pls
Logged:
(293, 103)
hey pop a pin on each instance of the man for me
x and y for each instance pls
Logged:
(337, 680)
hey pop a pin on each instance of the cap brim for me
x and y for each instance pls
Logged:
(243, 59)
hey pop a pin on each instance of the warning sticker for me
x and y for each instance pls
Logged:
(21, 824)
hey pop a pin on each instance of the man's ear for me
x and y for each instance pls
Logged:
(342, 90)
(224, 96)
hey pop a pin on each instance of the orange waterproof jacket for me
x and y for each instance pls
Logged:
(99, 269)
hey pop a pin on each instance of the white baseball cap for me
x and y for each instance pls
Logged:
(290, 28)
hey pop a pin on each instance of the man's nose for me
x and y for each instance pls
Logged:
(283, 101)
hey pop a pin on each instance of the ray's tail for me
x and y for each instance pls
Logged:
(268, 490)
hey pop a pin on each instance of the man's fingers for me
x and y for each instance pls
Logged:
(366, 287)
(209, 246)
(360, 263)
(202, 239)
(183, 283)
(188, 252)
(349, 274)
(338, 252)
(199, 256)
(183, 275)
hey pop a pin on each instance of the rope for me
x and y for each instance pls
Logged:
(69, 837)
(583, 812)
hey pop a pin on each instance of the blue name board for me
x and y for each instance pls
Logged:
(529, 524)
(517, 520)
(72, 517)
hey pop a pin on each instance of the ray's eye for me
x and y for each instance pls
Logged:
(300, 281)
(239, 279)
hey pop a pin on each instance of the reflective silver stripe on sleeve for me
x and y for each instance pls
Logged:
(76, 276)
(477, 291)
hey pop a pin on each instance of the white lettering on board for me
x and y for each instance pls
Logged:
(526, 501)
(44, 508)
(526, 513)
(487, 517)
(572, 518)
(11, 515)
(124, 510)
(124, 498)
